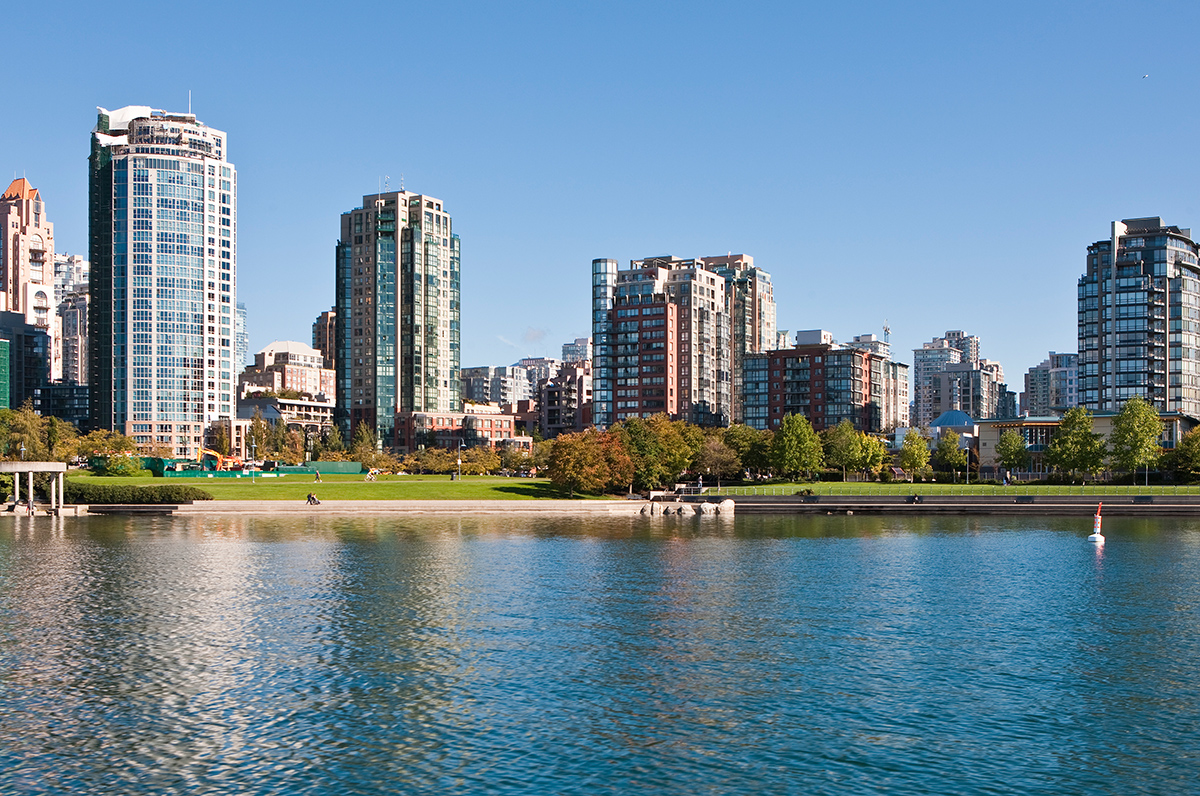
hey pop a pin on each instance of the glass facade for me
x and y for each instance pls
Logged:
(163, 218)
(1139, 319)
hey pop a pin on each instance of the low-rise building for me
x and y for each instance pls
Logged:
(476, 425)
(566, 400)
(287, 365)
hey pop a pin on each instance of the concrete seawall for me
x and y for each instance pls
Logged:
(610, 508)
(1018, 505)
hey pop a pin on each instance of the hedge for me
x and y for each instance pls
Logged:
(108, 494)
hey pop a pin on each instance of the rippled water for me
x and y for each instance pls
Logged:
(652, 655)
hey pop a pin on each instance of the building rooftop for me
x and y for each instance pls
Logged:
(21, 189)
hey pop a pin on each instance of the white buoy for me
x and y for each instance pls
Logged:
(1096, 536)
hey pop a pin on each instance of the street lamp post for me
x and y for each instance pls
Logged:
(22, 451)
(253, 456)
(461, 447)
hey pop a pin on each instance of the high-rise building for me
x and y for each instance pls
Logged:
(397, 312)
(73, 317)
(580, 350)
(663, 343)
(934, 357)
(324, 337)
(163, 250)
(71, 274)
(502, 385)
(750, 304)
(1052, 386)
(241, 340)
(27, 265)
(1145, 273)
(565, 401)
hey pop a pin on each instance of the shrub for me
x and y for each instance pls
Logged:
(108, 494)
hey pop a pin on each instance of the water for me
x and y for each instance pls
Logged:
(838, 655)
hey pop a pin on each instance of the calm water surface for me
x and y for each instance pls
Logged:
(838, 655)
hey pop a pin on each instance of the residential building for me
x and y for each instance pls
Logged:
(71, 274)
(1051, 387)
(324, 337)
(241, 338)
(525, 415)
(27, 264)
(5, 374)
(163, 250)
(664, 344)
(397, 312)
(566, 400)
(578, 351)
(934, 357)
(73, 320)
(1006, 406)
(498, 385)
(962, 387)
(538, 369)
(826, 382)
(289, 366)
(65, 401)
(475, 425)
(28, 357)
(750, 304)
(1144, 276)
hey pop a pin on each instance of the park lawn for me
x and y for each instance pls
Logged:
(856, 488)
(353, 487)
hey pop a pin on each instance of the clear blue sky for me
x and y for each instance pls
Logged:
(939, 165)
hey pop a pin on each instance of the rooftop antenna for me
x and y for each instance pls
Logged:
(386, 181)
(887, 332)
(189, 102)
(401, 182)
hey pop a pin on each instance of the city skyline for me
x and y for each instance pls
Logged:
(830, 169)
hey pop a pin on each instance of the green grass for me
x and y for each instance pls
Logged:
(353, 487)
(838, 488)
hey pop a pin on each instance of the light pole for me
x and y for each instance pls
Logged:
(461, 447)
(253, 456)
(22, 451)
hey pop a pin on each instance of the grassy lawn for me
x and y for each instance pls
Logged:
(837, 488)
(352, 487)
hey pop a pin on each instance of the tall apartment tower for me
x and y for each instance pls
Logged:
(932, 358)
(398, 312)
(663, 343)
(27, 266)
(750, 304)
(1145, 273)
(324, 337)
(1051, 386)
(162, 213)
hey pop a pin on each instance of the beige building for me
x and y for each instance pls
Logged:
(27, 264)
(289, 365)
(324, 337)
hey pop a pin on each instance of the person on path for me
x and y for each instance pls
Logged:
(317, 480)
(312, 500)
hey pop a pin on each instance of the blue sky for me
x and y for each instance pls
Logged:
(937, 165)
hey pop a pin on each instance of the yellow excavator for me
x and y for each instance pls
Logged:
(219, 462)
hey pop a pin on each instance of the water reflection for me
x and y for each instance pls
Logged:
(665, 654)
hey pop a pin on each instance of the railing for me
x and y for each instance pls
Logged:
(863, 490)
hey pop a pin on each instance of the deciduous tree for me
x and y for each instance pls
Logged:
(872, 453)
(949, 455)
(1136, 432)
(913, 456)
(1076, 448)
(796, 448)
(1011, 451)
(842, 446)
(577, 462)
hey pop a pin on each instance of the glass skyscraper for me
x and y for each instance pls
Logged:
(163, 247)
(1139, 319)
(397, 313)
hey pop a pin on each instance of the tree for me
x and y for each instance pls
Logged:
(221, 440)
(842, 446)
(26, 428)
(61, 438)
(618, 460)
(1185, 458)
(480, 460)
(101, 443)
(913, 456)
(796, 448)
(332, 440)
(949, 454)
(1075, 447)
(1011, 451)
(279, 438)
(258, 435)
(577, 462)
(1136, 432)
(364, 440)
(716, 458)
(645, 452)
(872, 453)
